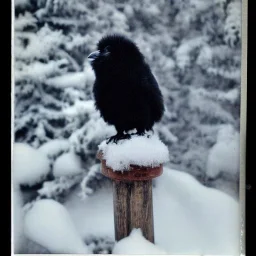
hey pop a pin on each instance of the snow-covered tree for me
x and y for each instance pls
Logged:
(207, 68)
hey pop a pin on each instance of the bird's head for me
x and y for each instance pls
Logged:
(115, 51)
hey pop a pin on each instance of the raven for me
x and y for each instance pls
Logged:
(126, 92)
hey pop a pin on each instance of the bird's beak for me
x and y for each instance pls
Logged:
(92, 56)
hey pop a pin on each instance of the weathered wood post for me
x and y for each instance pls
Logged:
(133, 204)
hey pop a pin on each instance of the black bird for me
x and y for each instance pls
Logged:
(126, 92)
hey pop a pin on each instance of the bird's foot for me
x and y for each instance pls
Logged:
(139, 133)
(118, 137)
(142, 134)
(151, 133)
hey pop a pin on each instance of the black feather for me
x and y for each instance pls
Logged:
(125, 90)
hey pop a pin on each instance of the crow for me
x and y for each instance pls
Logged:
(126, 92)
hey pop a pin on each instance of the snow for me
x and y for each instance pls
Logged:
(232, 23)
(40, 45)
(93, 216)
(168, 135)
(201, 5)
(139, 150)
(71, 79)
(230, 74)
(210, 107)
(91, 173)
(189, 218)
(40, 131)
(230, 96)
(135, 243)
(90, 75)
(80, 108)
(18, 235)
(38, 71)
(227, 133)
(153, 10)
(54, 147)
(58, 236)
(93, 131)
(76, 41)
(193, 219)
(58, 186)
(67, 164)
(224, 156)
(30, 166)
(24, 20)
(205, 56)
(182, 56)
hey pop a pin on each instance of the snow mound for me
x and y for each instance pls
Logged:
(193, 219)
(224, 156)
(67, 164)
(189, 218)
(18, 234)
(92, 216)
(30, 166)
(49, 224)
(227, 133)
(135, 243)
(76, 79)
(139, 150)
(54, 147)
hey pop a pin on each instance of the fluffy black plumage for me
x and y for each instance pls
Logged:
(125, 90)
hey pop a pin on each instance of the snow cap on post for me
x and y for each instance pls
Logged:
(139, 154)
(135, 173)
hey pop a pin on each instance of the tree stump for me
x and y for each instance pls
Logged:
(132, 198)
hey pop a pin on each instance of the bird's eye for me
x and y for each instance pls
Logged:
(107, 48)
(106, 51)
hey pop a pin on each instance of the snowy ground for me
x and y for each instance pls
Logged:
(188, 217)
(135, 243)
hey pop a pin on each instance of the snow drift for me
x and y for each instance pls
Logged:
(30, 166)
(48, 223)
(224, 156)
(189, 218)
(135, 243)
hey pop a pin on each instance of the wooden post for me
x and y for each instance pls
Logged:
(132, 195)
